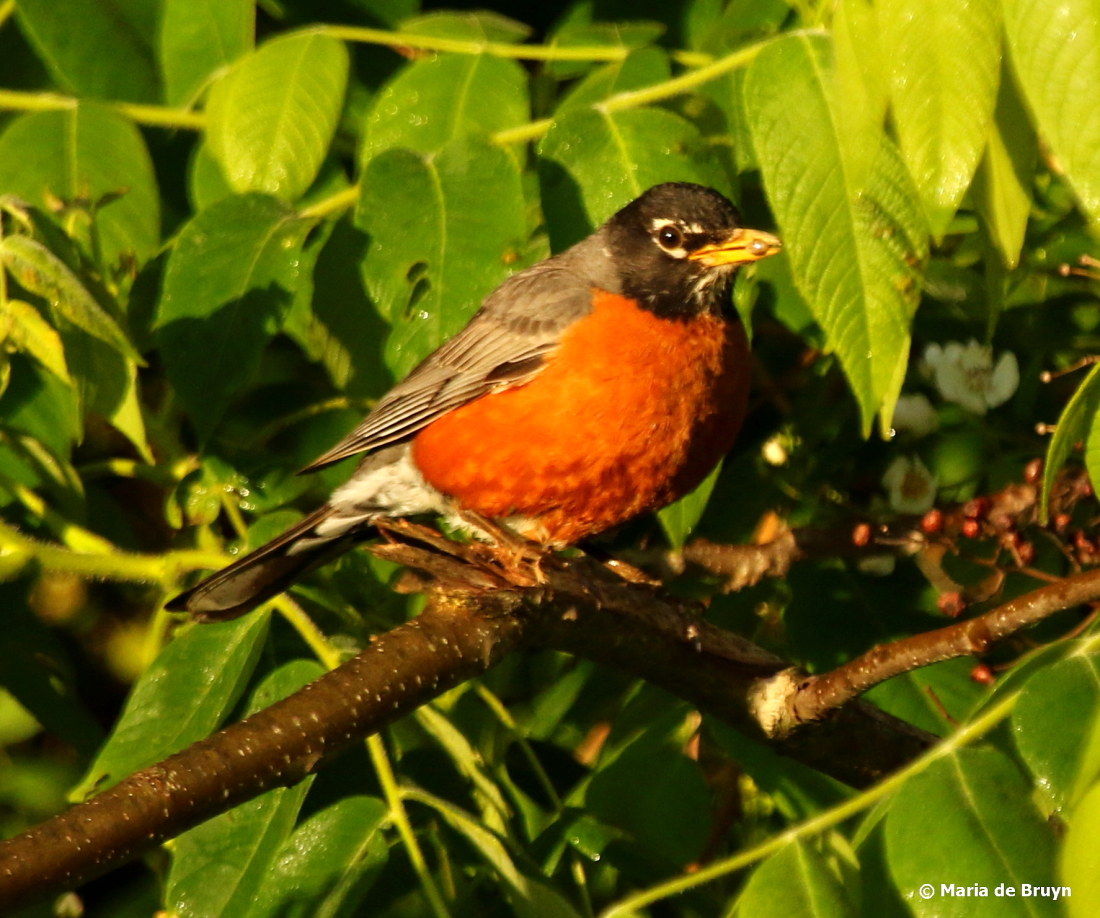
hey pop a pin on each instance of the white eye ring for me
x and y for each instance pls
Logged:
(669, 238)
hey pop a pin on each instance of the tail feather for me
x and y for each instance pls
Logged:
(263, 573)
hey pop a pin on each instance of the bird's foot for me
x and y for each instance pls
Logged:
(521, 558)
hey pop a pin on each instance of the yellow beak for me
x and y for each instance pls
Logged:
(739, 247)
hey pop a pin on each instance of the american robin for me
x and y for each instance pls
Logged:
(601, 383)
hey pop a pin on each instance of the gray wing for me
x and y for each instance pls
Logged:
(505, 344)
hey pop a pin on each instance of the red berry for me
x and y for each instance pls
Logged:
(1026, 551)
(861, 535)
(970, 529)
(1033, 471)
(932, 521)
(1061, 521)
(951, 604)
(982, 674)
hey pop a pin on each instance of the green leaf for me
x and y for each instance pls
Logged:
(271, 119)
(332, 319)
(219, 868)
(672, 825)
(482, 25)
(205, 183)
(1055, 50)
(680, 518)
(95, 47)
(488, 845)
(228, 284)
(435, 100)
(638, 69)
(442, 230)
(592, 163)
(327, 864)
(34, 669)
(1078, 420)
(967, 820)
(40, 405)
(943, 64)
(1002, 183)
(1079, 865)
(86, 153)
(495, 811)
(582, 32)
(861, 84)
(182, 697)
(107, 383)
(1056, 726)
(795, 882)
(23, 328)
(529, 897)
(41, 272)
(853, 235)
(197, 39)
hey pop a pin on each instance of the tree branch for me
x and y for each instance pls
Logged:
(816, 695)
(485, 605)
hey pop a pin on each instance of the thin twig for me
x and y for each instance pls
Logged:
(817, 695)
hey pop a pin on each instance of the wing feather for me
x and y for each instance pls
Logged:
(504, 345)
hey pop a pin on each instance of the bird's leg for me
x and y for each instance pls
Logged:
(511, 550)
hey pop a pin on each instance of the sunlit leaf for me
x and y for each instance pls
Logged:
(197, 38)
(432, 101)
(854, 243)
(271, 119)
(1079, 866)
(478, 25)
(43, 273)
(228, 284)
(796, 882)
(86, 153)
(1055, 50)
(442, 231)
(1079, 419)
(967, 821)
(1002, 185)
(26, 330)
(638, 69)
(591, 163)
(1065, 762)
(943, 64)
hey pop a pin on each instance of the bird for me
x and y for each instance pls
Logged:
(598, 384)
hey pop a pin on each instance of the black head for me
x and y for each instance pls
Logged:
(676, 248)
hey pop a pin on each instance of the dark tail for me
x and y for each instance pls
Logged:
(261, 574)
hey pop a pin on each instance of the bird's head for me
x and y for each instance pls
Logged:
(677, 246)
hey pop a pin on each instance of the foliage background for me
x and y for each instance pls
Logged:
(228, 228)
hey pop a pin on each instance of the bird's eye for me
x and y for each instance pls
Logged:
(670, 238)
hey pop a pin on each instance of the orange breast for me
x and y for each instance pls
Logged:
(630, 413)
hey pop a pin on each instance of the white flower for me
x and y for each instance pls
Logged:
(774, 451)
(914, 413)
(910, 486)
(966, 375)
